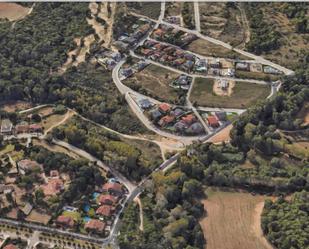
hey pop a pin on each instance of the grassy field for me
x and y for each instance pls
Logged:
(154, 81)
(233, 221)
(256, 75)
(244, 94)
(150, 9)
(207, 48)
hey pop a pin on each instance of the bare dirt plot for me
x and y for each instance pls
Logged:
(222, 136)
(206, 48)
(35, 216)
(244, 94)
(222, 22)
(13, 11)
(154, 81)
(233, 221)
(304, 113)
(55, 120)
(16, 106)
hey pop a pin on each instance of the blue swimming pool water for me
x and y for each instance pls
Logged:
(87, 208)
(86, 219)
(95, 195)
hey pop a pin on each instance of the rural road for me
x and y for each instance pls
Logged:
(197, 16)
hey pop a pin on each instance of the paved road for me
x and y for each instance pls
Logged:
(261, 82)
(259, 59)
(197, 17)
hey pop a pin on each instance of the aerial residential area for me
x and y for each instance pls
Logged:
(154, 125)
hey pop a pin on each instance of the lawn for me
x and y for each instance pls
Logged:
(233, 221)
(243, 95)
(7, 149)
(76, 216)
(154, 81)
(256, 75)
(206, 48)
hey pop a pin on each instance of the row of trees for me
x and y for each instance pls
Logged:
(128, 158)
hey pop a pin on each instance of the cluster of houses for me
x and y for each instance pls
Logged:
(7, 128)
(166, 33)
(108, 58)
(256, 67)
(106, 201)
(174, 119)
(183, 60)
(127, 40)
(126, 72)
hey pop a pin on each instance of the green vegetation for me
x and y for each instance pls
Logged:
(187, 12)
(286, 223)
(243, 94)
(150, 9)
(256, 75)
(133, 158)
(264, 36)
(298, 13)
(171, 211)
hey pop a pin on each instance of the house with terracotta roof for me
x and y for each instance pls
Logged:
(107, 199)
(95, 226)
(213, 121)
(65, 221)
(158, 33)
(105, 210)
(166, 120)
(22, 128)
(113, 188)
(10, 246)
(35, 128)
(189, 119)
(53, 187)
(164, 108)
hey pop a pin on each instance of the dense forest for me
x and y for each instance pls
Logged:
(35, 48)
(286, 222)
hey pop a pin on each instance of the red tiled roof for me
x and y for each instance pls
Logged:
(189, 119)
(65, 220)
(95, 225)
(105, 210)
(22, 128)
(112, 186)
(164, 107)
(212, 121)
(107, 199)
(10, 246)
(167, 119)
(35, 127)
(158, 32)
(54, 186)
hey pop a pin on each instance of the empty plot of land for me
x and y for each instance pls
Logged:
(233, 221)
(222, 21)
(16, 106)
(154, 81)
(13, 11)
(222, 136)
(209, 49)
(35, 216)
(304, 114)
(244, 94)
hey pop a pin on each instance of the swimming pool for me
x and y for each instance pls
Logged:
(86, 219)
(86, 208)
(95, 195)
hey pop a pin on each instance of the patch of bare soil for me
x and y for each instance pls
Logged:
(137, 200)
(222, 136)
(16, 106)
(35, 216)
(223, 91)
(13, 11)
(233, 221)
(304, 114)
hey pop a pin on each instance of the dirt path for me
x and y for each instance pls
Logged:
(137, 200)
(233, 221)
(68, 115)
(222, 136)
